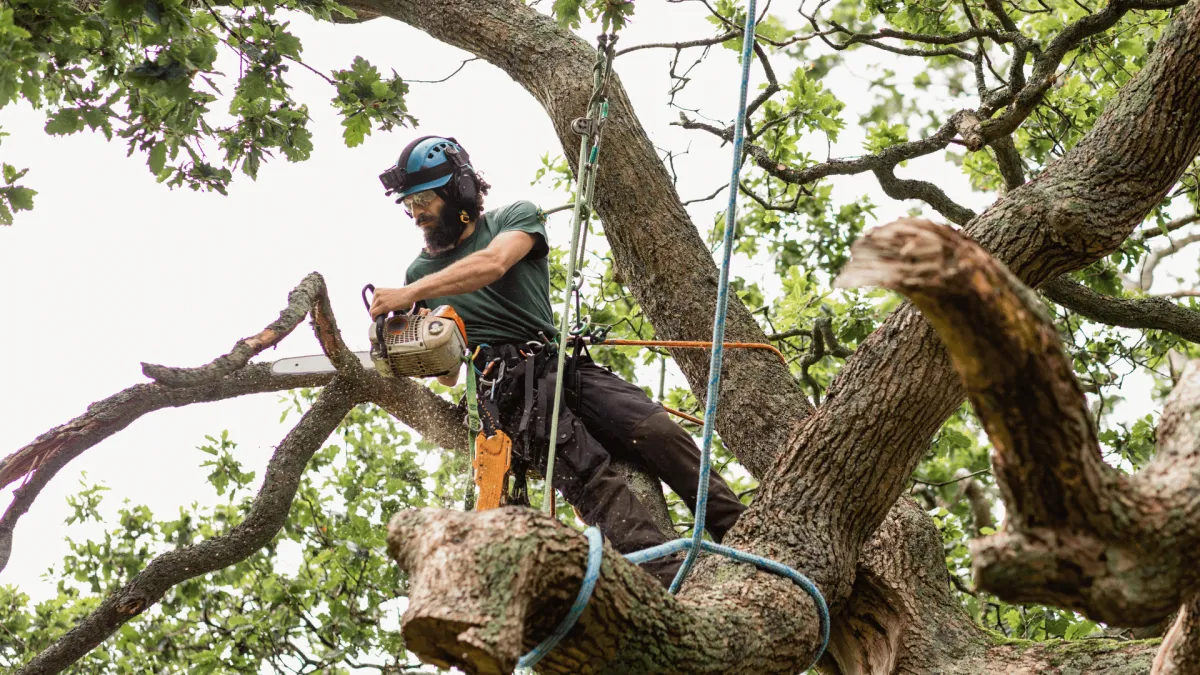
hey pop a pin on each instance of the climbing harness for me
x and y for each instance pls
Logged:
(696, 543)
(474, 425)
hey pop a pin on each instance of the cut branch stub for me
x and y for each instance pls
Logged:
(1008, 356)
(1079, 534)
(485, 588)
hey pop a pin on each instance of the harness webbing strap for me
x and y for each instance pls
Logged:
(474, 425)
(589, 152)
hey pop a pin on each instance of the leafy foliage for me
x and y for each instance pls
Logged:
(611, 14)
(148, 72)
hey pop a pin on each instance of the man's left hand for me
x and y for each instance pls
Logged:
(391, 300)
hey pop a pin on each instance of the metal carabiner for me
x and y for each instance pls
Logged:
(499, 376)
(581, 325)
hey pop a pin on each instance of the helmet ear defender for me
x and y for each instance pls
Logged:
(463, 186)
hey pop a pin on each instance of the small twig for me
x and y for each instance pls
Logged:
(456, 71)
(709, 197)
(954, 480)
(705, 42)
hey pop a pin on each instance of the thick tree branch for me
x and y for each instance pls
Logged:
(1006, 350)
(900, 378)
(1079, 533)
(902, 618)
(1153, 313)
(262, 523)
(457, 561)
(415, 405)
(1180, 650)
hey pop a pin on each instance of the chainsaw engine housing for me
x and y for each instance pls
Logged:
(420, 345)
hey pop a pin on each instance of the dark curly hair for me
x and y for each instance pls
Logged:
(473, 210)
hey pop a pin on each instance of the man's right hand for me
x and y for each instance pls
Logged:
(390, 300)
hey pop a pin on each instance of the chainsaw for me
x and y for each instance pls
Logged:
(405, 344)
(410, 344)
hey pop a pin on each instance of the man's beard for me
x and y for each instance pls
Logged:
(444, 235)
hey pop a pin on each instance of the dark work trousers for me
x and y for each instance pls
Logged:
(610, 419)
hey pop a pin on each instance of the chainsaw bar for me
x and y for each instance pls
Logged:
(317, 363)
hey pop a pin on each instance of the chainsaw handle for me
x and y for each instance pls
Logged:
(366, 302)
(381, 320)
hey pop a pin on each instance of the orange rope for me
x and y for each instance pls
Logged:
(684, 415)
(695, 343)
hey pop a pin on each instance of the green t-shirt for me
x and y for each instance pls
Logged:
(517, 305)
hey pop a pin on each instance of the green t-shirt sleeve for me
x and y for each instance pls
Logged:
(526, 217)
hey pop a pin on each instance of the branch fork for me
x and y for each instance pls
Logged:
(1080, 534)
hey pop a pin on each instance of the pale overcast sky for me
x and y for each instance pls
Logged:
(112, 269)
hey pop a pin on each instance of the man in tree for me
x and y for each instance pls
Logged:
(492, 268)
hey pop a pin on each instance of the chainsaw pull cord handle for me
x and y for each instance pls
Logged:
(380, 321)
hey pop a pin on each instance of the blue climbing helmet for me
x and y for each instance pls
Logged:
(432, 163)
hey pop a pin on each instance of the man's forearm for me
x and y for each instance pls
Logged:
(465, 276)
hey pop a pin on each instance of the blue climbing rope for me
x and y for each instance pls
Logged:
(664, 550)
(718, 340)
(595, 554)
(696, 543)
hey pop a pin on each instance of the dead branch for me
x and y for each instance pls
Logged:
(308, 297)
(217, 380)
